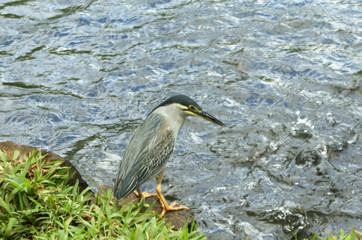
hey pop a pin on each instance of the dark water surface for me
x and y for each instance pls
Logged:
(78, 77)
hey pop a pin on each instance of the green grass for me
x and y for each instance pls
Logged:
(36, 202)
(342, 235)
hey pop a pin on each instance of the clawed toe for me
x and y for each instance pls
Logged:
(172, 207)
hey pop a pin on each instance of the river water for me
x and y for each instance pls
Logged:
(78, 77)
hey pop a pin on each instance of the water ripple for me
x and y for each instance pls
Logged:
(77, 78)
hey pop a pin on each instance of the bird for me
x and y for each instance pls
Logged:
(151, 146)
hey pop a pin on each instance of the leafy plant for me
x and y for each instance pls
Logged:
(36, 202)
(354, 235)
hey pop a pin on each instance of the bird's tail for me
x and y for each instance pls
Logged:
(124, 186)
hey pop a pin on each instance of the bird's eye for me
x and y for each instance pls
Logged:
(193, 108)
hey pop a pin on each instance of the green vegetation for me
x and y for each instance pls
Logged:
(37, 203)
(354, 235)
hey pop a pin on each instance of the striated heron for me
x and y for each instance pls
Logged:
(151, 146)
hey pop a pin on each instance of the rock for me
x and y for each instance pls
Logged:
(177, 219)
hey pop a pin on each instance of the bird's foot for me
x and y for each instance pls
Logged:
(144, 195)
(172, 207)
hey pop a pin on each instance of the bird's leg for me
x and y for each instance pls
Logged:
(141, 194)
(165, 206)
(144, 195)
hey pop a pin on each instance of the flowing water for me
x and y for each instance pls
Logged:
(78, 77)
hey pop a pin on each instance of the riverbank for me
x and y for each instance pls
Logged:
(44, 197)
(41, 199)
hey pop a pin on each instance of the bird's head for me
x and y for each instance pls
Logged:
(188, 107)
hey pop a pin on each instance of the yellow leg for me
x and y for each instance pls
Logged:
(165, 206)
(144, 195)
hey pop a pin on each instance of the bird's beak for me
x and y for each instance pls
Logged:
(209, 117)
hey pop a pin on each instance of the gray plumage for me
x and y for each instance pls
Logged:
(146, 155)
(152, 144)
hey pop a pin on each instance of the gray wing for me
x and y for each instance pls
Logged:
(146, 155)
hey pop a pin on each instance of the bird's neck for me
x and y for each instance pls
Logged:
(172, 117)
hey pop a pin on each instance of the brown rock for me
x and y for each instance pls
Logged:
(175, 219)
